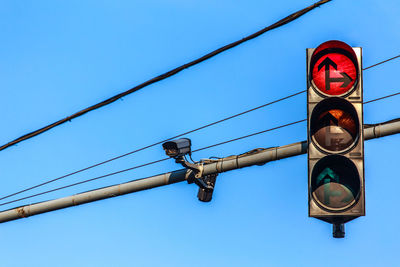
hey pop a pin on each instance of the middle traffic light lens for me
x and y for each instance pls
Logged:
(334, 125)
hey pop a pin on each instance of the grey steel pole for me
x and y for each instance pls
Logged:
(214, 166)
(93, 195)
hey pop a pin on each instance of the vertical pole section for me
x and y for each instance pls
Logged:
(221, 165)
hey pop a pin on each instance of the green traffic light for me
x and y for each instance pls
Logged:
(335, 183)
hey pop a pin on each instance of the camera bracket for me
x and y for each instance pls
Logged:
(206, 183)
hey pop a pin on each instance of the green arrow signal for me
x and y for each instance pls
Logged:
(327, 172)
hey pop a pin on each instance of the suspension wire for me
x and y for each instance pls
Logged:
(160, 160)
(112, 99)
(168, 74)
(143, 165)
(185, 133)
(380, 98)
(249, 135)
(379, 63)
(85, 181)
(152, 145)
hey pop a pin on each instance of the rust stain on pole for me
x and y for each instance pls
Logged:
(21, 212)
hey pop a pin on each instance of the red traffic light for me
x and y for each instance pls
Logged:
(333, 69)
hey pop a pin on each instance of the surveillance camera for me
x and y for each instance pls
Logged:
(178, 148)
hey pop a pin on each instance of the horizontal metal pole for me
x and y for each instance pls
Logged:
(98, 194)
(372, 131)
(256, 157)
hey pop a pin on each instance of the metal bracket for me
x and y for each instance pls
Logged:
(197, 168)
(206, 183)
(338, 230)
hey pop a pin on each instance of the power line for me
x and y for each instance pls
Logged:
(377, 99)
(250, 158)
(177, 136)
(250, 135)
(168, 74)
(84, 181)
(160, 160)
(379, 63)
(152, 145)
(132, 168)
(114, 98)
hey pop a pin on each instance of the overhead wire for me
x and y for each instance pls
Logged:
(182, 134)
(143, 165)
(160, 160)
(379, 63)
(250, 135)
(170, 73)
(84, 181)
(380, 98)
(152, 145)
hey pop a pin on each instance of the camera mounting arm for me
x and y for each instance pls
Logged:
(177, 149)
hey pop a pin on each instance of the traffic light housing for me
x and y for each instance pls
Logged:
(336, 192)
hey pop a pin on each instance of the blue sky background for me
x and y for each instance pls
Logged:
(58, 57)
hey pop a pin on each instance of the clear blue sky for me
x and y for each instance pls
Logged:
(58, 57)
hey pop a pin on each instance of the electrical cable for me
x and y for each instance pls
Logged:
(249, 135)
(170, 73)
(380, 98)
(139, 166)
(84, 181)
(112, 99)
(177, 136)
(160, 160)
(174, 137)
(152, 145)
(379, 63)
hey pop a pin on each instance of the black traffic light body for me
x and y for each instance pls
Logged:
(336, 191)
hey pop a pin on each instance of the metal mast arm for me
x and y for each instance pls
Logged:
(214, 167)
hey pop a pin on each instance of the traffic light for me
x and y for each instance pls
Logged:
(335, 134)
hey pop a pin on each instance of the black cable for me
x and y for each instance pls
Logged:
(160, 160)
(377, 99)
(149, 146)
(167, 74)
(188, 132)
(152, 145)
(84, 181)
(146, 164)
(379, 63)
(249, 135)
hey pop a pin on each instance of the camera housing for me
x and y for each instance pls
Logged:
(178, 148)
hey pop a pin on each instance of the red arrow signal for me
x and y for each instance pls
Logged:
(334, 68)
